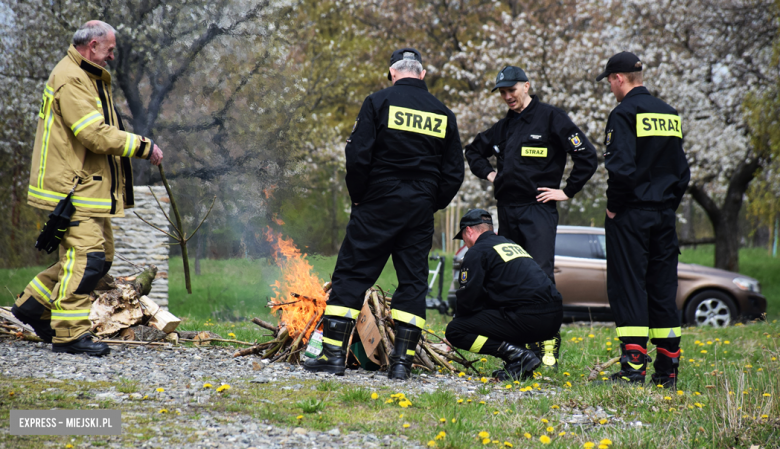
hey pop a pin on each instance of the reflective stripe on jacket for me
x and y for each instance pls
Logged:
(80, 136)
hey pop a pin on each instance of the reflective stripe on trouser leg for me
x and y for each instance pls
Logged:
(408, 318)
(343, 312)
(41, 286)
(477, 345)
(632, 331)
(70, 311)
(667, 332)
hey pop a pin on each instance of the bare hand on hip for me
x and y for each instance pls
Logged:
(611, 215)
(491, 176)
(549, 194)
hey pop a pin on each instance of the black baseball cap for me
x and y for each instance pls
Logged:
(403, 53)
(623, 62)
(473, 218)
(509, 76)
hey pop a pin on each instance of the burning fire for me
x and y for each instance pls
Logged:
(300, 295)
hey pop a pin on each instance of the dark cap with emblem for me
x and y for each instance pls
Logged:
(473, 218)
(623, 62)
(510, 76)
(401, 54)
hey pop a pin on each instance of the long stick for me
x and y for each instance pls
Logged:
(180, 228)
(266, 325)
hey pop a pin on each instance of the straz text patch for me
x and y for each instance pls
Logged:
(509, 251)
(415, 121)
(658, 125)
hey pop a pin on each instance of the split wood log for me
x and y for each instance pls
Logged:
(5, 313)
(266, 325)
(143, 282)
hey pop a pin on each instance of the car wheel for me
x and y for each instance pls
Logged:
(710, 308)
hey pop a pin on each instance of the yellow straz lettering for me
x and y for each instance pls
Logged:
(509, 251)
(658, 125)
(534, 152)
(420, 122)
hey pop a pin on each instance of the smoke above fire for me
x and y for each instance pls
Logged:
(300, 296)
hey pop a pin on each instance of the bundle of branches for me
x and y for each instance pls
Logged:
(375, 329)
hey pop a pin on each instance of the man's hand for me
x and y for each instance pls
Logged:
(157, 155)
(491, 176)
(549, 194)
(611, 215)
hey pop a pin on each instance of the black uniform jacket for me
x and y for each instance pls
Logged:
(405, 133)
(499, 274)
(530, 149)
(644, 156)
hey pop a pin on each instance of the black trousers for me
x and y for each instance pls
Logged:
(642, 251)
(533, 227)
(395, 218)
(484, 331)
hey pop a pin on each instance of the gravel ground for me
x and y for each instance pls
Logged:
(182, 372)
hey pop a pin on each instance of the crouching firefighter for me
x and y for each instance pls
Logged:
(80, 147)
(505, 300)
(404, 162)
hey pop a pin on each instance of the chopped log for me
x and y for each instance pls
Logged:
(145, 333)
(143, 283)
(5, 313)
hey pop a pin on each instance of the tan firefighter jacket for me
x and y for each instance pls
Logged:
(80, 137)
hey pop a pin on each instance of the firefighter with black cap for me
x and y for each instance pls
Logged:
(505, 300)
(530, 145)
(648, 175)
(404, 162)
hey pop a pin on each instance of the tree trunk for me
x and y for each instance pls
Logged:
(725, 219)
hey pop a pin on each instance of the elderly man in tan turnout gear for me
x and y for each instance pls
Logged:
(80, 145)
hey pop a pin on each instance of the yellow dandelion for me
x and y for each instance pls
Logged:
(545, 439)
(568, 384)
(589, 445)
(404, 404)
(764, 416)
(483, 360)
(697, 394)
(162, 410)
(223, 387)
(443, 420)
(485, 441)
(483, 434)
(454, 420)
(461, 374)
(401, 415)
(591, 335)
(698, 404)
(460, 401)
(562, 434)
(603, 421)
(606, 442)
(703, 351)
(207, 385)
(374, 396)
(482, 402)
(554, 407)
(680, 393)
(406, 425)
(389, 401)
(232, 335)
(766, 395)
(440, 436)
(603, 446)
(667, 398)
(468, 401)
(431, 443)
(496, 412)
(550, 429)
(544, 420)
(566, 374)
(509, 386)
(299, 417)
(527, 435)
(68, 446)
(483, 380)
(507, 444)
(726, 342)
(160, 390)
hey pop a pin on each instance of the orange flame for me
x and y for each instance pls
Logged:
(297, 277)
(277, 220)
(268, 191)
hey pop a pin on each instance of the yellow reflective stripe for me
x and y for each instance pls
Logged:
(38, 286)
(129, 145)
(410, 352)
(70, 315)
(54, 197)
(345, 312)
(70, 261)
(408, 318)
(477, 345)
(415, 121)
(46, 134)
(666, 332)
(632, 331)
(649, 124)
(99, 103)
(533, 152)
(635, 366)
(85, 121)
(332, 342)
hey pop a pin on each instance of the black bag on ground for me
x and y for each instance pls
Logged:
(55, 228)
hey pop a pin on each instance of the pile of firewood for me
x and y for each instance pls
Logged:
(374, 328)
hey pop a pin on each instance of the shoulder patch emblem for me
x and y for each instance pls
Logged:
(575, 140)
(608, 140)
(354, 127)
(463, 276)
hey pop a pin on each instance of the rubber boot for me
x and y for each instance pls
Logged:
(633, 364)
(82, 345)
(666, 366)
(30, 313)
(406, 338)
(335, 338)
(519, 363)
(548, 351)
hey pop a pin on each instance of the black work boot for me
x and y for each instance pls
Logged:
(406, 338)
(519, 363)
(666, 366)
(548, 351)
(82, 345)
(633, 364)
(335, 338)
(30, 314)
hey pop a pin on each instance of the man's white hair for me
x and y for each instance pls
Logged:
(408, 66)
(94, 29)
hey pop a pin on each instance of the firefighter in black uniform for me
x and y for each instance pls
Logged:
(530, 145)
(404, 162)
(505, 300)
(648, 175)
